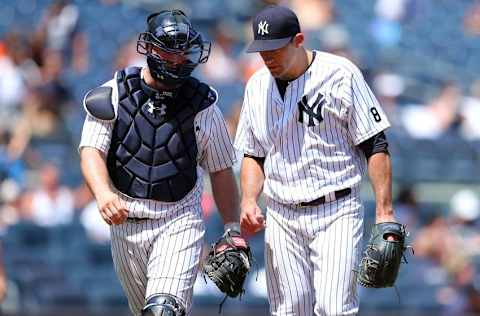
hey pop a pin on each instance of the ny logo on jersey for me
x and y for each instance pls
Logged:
(314, 111)
(262, 27)
(152, 109)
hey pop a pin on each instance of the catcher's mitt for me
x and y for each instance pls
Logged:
(228, 263)
(381, 261)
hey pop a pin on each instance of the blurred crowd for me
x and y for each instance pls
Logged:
(446, 248)
(35, 103)
(66, 49)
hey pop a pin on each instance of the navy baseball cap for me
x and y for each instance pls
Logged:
(273, 28)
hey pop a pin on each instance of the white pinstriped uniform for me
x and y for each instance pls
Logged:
(311, 251)
(161, 254)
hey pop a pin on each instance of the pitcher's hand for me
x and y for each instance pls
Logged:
(251, 218)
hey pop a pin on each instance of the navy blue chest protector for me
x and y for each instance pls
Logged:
(153, 151)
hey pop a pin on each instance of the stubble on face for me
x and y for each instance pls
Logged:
(279, 62)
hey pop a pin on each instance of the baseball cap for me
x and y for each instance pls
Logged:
(273, 28)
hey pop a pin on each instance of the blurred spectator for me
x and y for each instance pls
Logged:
(313, 14)
(437, 117)
(472, 294)
(51, 203)
(386, 28)
(11, 86)
(41, 121)
(273, 2)
(438, 243)
(10, 198)
(222, 67)
(250, 63)
(20, 50)
(52, 67)
(59, 32)
(83, 196)
(322, 31)
(18, 71)
(96, 228)
(127, 56)
(334, 39)
(454, 244)
(464, 207)
(109, 2)
(471, 21)
(392, 10)
(406, 208)
(464, 215)
(3, 278)
(11, 166)
(388, 87)
(470, 112)
(56, 93)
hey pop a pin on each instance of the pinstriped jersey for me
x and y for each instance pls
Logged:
(309, 137)
(215, 153)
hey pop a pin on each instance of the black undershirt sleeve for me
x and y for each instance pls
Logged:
(260, 160)
(375, 144)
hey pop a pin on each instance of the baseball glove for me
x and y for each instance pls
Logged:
(381, 261)
(228, 263)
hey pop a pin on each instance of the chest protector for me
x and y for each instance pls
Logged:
(153, 151)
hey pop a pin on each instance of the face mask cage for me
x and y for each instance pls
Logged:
(174, 56)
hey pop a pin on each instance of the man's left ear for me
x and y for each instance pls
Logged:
(298, 39)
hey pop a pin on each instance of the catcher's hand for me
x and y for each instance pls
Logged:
(228, 263)
(381, 261)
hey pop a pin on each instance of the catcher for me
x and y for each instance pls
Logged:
(150, 135)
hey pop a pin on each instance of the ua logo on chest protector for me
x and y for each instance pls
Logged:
(262, 27)
(313, 111)
(154, 110)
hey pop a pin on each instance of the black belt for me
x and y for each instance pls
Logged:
(338, 195)
(137, 220)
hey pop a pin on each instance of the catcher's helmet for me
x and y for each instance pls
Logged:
(173, 48)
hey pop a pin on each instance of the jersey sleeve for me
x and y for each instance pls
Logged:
(215, 149)
(366, 118)
(245, 140)
(98, 133)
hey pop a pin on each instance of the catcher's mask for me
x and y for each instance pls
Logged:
(173, 48)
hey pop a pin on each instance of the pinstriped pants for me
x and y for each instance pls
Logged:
(310, 256)
(158, 256)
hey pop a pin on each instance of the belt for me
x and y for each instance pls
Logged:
(321, 200)
(136, 219)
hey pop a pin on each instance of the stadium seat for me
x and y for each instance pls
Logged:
(27, 235)
(99, 254)
(58, 294)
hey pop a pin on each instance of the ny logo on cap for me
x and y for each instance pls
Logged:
(262, 27)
